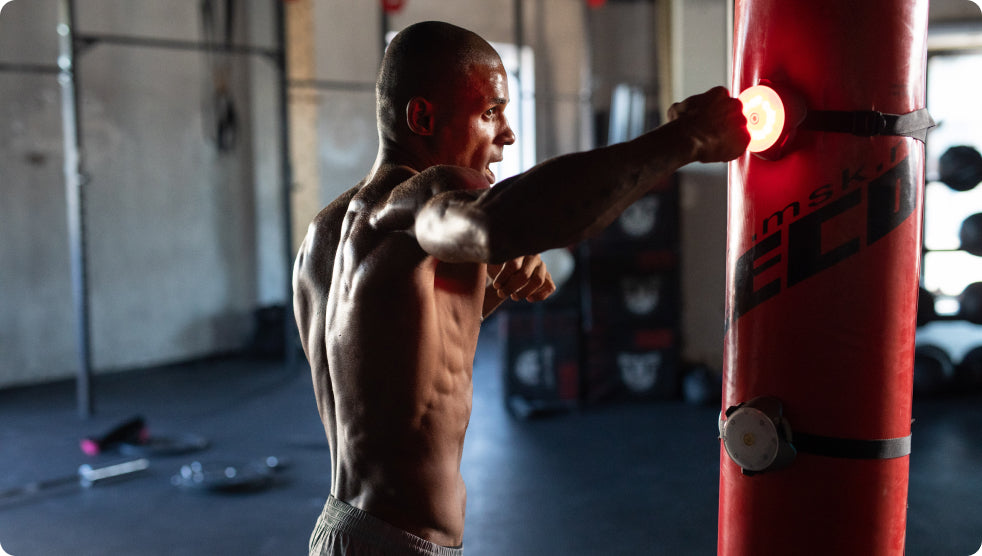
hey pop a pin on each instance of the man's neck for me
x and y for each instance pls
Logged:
(393, 152)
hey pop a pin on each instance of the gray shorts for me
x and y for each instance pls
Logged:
(343, 529)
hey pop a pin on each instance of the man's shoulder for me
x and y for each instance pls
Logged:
(432, 179)
(324, 231)
(395, 182)
(328, 220)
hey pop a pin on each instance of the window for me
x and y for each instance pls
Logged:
(520, 66)
(955, 101)
(954, 89)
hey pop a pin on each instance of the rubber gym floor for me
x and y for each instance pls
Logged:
(626, 478)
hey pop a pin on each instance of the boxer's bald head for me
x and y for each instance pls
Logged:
(432, 60)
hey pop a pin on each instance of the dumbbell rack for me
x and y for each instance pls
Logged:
(948, 353)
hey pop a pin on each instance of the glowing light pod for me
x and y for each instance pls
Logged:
(773, 113)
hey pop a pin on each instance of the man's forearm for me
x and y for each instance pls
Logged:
(567, 199)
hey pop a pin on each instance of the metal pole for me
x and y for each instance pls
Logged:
(88, 40)
(75, 201)
(383, 23)
(519, 21)
(28, 68)
(286, 169)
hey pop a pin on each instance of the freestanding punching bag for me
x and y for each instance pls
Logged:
(823, 248)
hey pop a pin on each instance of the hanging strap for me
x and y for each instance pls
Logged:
(849, 448)
(869, 123)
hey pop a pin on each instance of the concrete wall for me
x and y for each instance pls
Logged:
(35, 329)
(176, 230)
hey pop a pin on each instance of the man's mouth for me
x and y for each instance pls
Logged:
(487, 170)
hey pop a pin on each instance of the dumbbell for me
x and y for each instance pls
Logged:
(970, 235)
(925, 307)
(130, 431)
(933, 370)
(969, 306)
(968, 373)
(960, 168)
(970, 303)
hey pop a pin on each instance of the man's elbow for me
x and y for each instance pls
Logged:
(450, 236)
(452, 248)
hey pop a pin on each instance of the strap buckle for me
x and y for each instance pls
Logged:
(868, 123)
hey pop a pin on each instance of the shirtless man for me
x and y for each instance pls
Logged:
(394, 277)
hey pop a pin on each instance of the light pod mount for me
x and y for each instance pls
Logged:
(773, 114)
(757, 436)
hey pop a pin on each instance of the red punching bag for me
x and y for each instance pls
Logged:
(823, 248)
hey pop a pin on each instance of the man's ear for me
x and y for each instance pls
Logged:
(419, 116)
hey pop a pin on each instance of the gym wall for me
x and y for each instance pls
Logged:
(176, 230)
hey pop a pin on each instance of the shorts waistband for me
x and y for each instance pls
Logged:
(349, 519)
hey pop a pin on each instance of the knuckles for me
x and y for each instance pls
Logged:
(524, 278)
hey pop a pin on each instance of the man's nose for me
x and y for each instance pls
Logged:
(507, 136)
